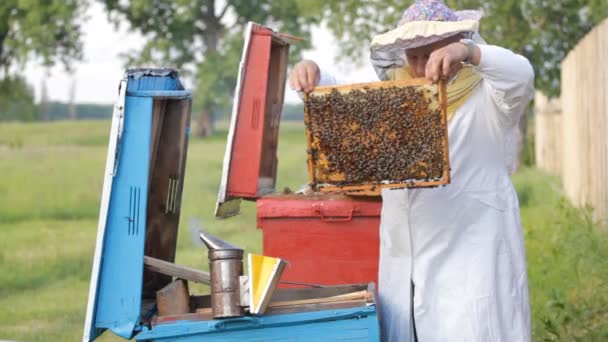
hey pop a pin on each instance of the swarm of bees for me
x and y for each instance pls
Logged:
(368, 136)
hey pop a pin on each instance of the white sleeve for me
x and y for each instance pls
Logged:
(509, 80)
(326, 78)
(365, 75)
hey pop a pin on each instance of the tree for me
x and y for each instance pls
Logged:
(542, 30)
(204, 38)
(45, 30)
(16, 100)
(555, 28)
(49, 30)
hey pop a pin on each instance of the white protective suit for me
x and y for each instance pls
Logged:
(461, 246)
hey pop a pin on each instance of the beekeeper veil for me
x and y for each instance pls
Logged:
(423, 23)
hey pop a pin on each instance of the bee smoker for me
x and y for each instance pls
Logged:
(226, 268)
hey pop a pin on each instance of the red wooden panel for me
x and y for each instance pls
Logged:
(334, 207)
(247, 145)
(324, 253)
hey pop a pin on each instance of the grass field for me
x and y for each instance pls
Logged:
(50, 186)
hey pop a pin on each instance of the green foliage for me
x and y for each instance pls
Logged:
(503, 23)
(555, 29)
(45, 30)
(217, 75)
(204, 38)
(49, 30)
(17, 104)
(529, 150)
(542, 30)
(355, 22)
(16, 100)
(567, 256)
(84, 111)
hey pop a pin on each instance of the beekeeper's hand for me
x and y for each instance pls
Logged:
(446, 61)
(304, 76)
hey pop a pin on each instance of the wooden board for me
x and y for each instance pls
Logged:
(169, 150)
(323, 179)
(277, 73)
(158, 116)
(359, 295)
(335, 305)
(281, 295)
(290, 301)
(171, 270)
(173, 299)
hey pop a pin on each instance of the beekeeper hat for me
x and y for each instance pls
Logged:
(424, 22)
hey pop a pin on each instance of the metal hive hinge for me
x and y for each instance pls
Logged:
(134, 204)
(171, 201)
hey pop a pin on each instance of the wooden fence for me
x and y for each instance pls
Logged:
(584, 122)
(548, 134)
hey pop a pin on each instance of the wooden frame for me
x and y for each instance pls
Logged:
(250, 160)
(372, 187)
(287, 301)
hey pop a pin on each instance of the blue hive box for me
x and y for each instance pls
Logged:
(140, 202)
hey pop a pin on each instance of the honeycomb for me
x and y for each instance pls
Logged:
(377, 135)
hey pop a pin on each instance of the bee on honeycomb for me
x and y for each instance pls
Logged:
(373, 135)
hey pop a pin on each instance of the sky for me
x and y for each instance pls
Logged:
(96, 78)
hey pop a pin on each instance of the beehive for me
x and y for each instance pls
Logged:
(365, 137)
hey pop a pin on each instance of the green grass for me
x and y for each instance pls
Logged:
(50, 186)
(567, 263)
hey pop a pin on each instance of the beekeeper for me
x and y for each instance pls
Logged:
(452, 259)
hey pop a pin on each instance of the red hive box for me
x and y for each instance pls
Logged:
(327, 239)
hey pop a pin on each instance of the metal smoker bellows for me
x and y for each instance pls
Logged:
(225, 266)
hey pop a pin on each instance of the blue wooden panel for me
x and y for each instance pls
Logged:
(120, 284)
(358, 324)
(173, 94)
(342, 330)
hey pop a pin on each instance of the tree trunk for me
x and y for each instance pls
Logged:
(206, 119)
(43, 108)
(4, 64)
(72, 115)
(204, 123)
